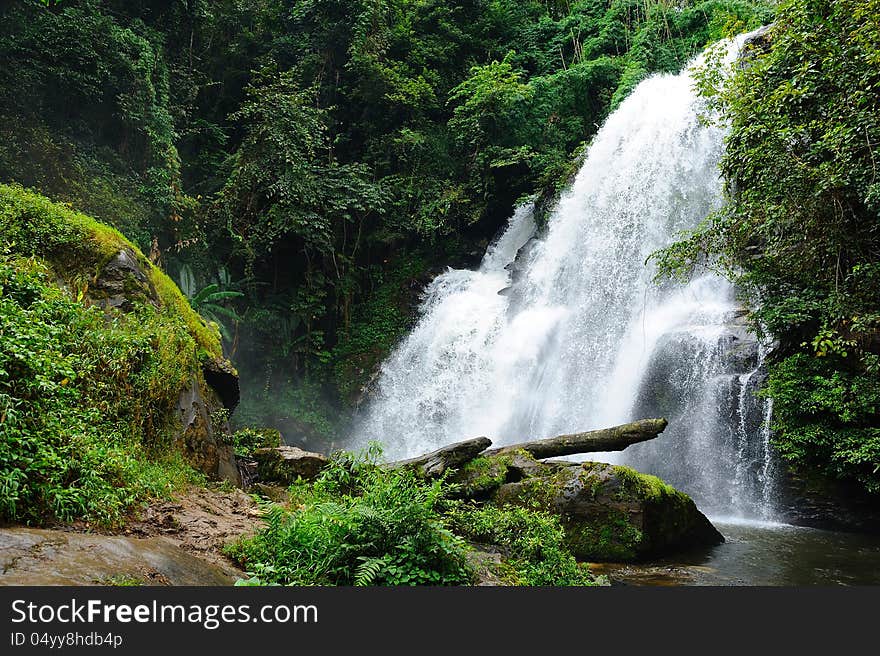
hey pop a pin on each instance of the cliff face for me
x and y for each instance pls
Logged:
(112, 388)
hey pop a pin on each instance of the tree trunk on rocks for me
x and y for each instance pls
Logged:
(616, 438)
(449, 457)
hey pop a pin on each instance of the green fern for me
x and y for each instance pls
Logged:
(368, 571)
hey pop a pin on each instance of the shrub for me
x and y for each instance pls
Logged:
(358, 525)
(68, 384)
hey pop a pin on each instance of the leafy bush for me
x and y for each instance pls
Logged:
(247, 440)
(358, 525)
(533, 543)
(827, 413)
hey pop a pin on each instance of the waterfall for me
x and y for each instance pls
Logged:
(564, 329)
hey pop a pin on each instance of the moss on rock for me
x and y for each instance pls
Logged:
(611, 512)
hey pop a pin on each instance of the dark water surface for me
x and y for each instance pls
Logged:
(763, 553)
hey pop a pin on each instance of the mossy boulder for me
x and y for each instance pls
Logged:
(612, 513)
(147, 365)
(485, 474)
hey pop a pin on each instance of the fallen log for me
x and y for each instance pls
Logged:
(616, 438)
(449, 457)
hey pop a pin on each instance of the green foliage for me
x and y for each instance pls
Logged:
(67, 383)
(209, 302)
(361, 524)
(79, 81)
(532, 542)
(379, 322)
(87, 398)
(358, 525)
(247, 440)
(826, 411)
(77, 247)
(799, 233)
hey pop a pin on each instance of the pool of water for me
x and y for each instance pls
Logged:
(763, 553)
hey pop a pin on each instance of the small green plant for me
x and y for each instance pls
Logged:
(247, 440)
(209, 300)
(121, 580)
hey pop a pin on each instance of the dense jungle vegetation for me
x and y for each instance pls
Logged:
(301, 168)
(305, 166)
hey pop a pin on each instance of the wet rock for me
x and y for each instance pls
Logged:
(47, 557)
(287, 464)
(122, 282)
(202, 441)
(817, 501)
(613, 513)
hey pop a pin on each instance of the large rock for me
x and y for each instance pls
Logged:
(287, 464)
(610, 513)
(613, 513)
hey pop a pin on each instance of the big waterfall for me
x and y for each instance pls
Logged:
(564, 329)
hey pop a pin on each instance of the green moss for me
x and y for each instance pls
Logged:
(608, 536)
(482, 475)
(207, 335)
(77, 248)
(532, 542)
(642, 486)
(537, 493)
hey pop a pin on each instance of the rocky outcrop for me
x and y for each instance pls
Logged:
(123, 282)
(817, 501)
(287, 464)
(613, 513)
(757, 43)
(222, 377)
(200, 439)
(610, 513)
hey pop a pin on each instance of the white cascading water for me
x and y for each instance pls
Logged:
(566, 331)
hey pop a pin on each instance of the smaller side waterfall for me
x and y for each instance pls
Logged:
(704, 379)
